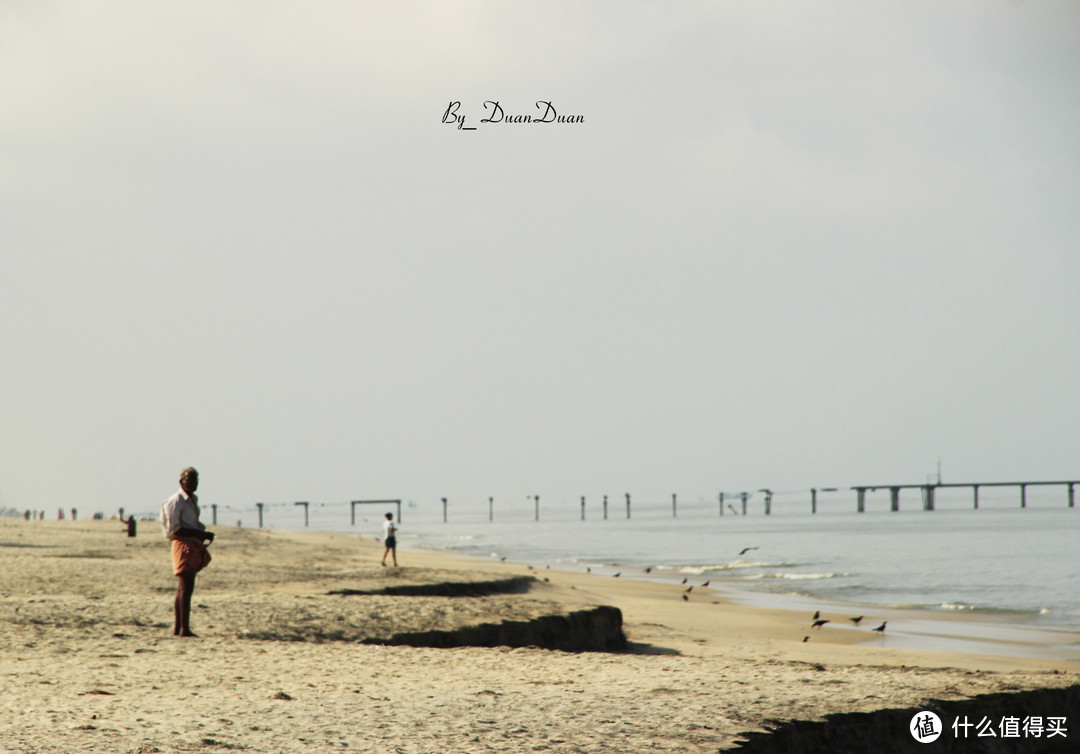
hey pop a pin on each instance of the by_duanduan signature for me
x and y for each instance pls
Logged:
(494, 113)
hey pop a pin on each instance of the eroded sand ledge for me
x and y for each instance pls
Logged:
(88, 662)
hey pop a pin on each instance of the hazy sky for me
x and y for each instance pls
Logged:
(791, 245)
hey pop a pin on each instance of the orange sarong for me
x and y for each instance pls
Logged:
(189, 556)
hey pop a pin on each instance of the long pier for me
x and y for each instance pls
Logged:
(927, 490)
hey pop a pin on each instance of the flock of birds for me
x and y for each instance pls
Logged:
(816, 622)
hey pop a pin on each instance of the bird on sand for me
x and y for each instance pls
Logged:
(706, 583)
(817, 614)
(648, 569)
(856, 619)
(689, 589)
(745, 550)
(686, 598)
(880, 629)
(805, 639)
(819, 623)
(684, 580)
(617, 575)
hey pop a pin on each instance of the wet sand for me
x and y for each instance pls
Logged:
(89, 662)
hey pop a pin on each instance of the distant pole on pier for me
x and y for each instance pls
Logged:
(305, 513)
(444, 510)
(260, 507)
(628, 505)
(768, 501)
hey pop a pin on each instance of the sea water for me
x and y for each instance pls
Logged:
(1018, 567)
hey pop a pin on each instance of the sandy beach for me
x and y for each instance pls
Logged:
(299, 649)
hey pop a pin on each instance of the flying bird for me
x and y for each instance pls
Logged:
(706, 583)
(819, 623)
(881, 629)
(745, 550)
(648, 570)
(684, 580)
(856, 620)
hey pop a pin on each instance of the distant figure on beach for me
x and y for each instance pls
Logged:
(389, 538)
(130, 525)
(180, 522)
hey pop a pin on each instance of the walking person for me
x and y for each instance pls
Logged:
(389, 538)
(180, 521)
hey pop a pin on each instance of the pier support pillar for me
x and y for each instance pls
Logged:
(305, 513)
(444, 510)
(975, 495)
(860, 504)
(582, 507)
(894, 496)
(260, 507)
(721, 503)
(1072, 496)
(213, 508)
(744, 496)
(813, 501)
(628, 505)
(605, 507)
(673, 505)
(491, 509)
(928, 497)
(1023, 496)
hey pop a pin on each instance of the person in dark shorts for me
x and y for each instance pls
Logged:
(389, 538)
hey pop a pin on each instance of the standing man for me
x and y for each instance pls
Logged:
(389, 538)
(180, 520)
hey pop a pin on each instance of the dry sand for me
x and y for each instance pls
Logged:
(89, 662)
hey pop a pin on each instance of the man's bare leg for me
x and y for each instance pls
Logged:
(185, 587)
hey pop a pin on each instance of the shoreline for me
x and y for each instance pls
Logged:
(970, 632)
(89, 662)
